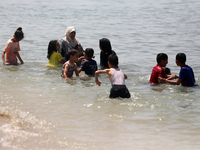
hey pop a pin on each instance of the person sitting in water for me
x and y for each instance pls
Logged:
(68, 42)
(117, 78)
(106, 50)
(186, 75)
(54, 57)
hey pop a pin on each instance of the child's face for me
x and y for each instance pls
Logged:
(177, 63)
(74, 58)
(57, 46)
(164, 63)
(80, 50)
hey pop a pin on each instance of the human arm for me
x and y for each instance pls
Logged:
(65, 72)
(169, 77)
(3, 57)
(76, 71)
(80, 59)
(18, 56)
(177, 82)
(125, 76)
(79, 70)
(100, 72)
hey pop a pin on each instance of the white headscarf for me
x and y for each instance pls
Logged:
(71, 43)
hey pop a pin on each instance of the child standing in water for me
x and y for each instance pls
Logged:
(158, 71)
(12, 49)
(54, 58)
(186, 75)
(70, 66)
(117, 78)
(89, 65)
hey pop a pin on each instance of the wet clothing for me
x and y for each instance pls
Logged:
(119, 91)
(64, 49)
(157, 71)
(89, 66)
(187, 76)
(104, 58)
(119, 88)
(117, 77)
(66, 43)
(55, 59)
(71, 69)
(11, 50)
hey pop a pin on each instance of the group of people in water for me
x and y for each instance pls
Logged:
(69, 52)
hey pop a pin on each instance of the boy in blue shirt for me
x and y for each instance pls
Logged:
(186, 75)
(89, 65)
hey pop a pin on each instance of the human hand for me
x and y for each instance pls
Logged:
(98, 82)
(161, 80)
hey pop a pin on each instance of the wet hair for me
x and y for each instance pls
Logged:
(161, 56)
(19, 34)
(89, 52)
(167, 71)
(51, 48)
(72, 52)
(181, 57)
(113, 59)
(105, 45)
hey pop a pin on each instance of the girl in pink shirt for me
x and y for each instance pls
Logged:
(12, 48)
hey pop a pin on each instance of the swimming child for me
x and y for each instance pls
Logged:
(186, 74)
(89, 65)
(106, 50)
(54, 57)
(158, 71)
(70, 66)
(117, 78)
(12, 49)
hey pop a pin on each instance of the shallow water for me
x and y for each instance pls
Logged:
(40, 110)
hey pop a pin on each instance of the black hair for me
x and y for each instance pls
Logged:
(167, 71)
(19, 34)
(51, 48)
(181, 57)
(89, 52)
(105, 45)
(161, 56)
(113, 59)
(72, 52)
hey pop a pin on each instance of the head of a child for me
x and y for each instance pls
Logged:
(105, 45)
(18, 35)
(53, 46)
(79, 48)
(180, 59)
(167, 71)
(73, 55)
(162, 59)
(113, 61)
(89, 52)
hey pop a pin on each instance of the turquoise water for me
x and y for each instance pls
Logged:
(40, 110)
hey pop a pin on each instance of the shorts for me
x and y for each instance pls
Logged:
(119, 91)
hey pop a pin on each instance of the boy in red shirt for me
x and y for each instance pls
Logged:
(158, 71)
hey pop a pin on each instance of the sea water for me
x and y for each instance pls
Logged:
(39, 110)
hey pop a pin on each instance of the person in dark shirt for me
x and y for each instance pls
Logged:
(89, 65)
(106, 51)
(186, 75)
